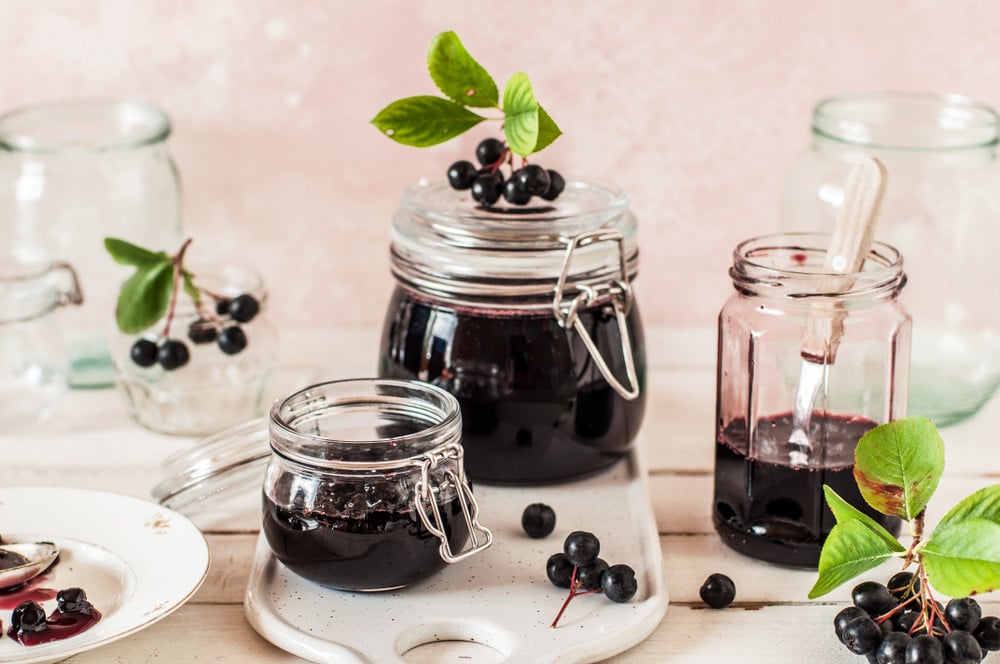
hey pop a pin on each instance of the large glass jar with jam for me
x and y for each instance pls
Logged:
(527, 316)
(804, 371)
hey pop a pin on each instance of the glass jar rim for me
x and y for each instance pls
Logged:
(907, 121)
(97, 125)
(433, 408)
(447, 247)
(804, 275)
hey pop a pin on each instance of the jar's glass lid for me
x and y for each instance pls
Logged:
(445, 243)
(225, 463)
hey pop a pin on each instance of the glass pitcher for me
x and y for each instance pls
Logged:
(73, 173)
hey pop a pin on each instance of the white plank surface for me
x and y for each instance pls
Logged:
(93, 444)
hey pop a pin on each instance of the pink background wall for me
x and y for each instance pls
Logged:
(695, 107)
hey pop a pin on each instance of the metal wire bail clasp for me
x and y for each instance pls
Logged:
(566, 312)
(427, 494)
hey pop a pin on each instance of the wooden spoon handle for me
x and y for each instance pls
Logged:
(849, 246)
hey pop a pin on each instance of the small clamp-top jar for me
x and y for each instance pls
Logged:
(527, 316)
(808, 362)
(365, 488)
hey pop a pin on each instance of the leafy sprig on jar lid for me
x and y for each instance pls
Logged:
(426, 120)
(151, 294)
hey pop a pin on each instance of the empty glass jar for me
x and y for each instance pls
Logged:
(527, 316)
(940, 210)
(803, 372)
(365, 487)
(73, 173)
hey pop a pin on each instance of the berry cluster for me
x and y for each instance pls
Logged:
(580, 569)
(488, 184)
(222, 327)
(897, 623)
(29, 617)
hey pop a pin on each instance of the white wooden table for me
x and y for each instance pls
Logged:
(93, 444)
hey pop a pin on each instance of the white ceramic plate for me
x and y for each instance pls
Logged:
(137, 561)
(499, 601)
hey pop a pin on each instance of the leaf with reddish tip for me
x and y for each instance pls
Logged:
(898, 466)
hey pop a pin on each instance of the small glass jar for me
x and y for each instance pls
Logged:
(808, 362)
(73, 172)
(214, 390)
(940, 210)
(527, 316)
(32, 359)
(365, 488)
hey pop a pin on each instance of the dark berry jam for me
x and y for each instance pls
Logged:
(58, 626)
(769, 508)
(535, 408)
(384, 549)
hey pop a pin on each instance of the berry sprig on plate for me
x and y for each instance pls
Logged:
(426, 120)
(897, 467)
(578, 566)
(151, 294)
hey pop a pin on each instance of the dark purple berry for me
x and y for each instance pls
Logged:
(73, 599)
(862, 636)
(960, 647)
(144, 352)
(845, 616)
(963, 614)
(903, 585)
(559, 570)
(924, 649)
(618, 583)
(487, 187)
(243, 308)
(581, 548)
(28, 617)
(556, 186)
(534, 179)
(718, 591)
(590, 576)
(514, 193)
(461, 174)
(489, 151)
(892, 650)
(538, 520)
(222, 306)
(873, 598)
(202, 331)
(232, 340)
(173, 354)
(988, 633)
(905, 621)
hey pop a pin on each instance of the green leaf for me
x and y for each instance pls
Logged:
(520, 125)
(144, 297)
(843, 511)
(458, 75)
(189, 287)
(548, 130)
(962, 556)
(127, 253)
(424, 120)
(850, 549)
(898, 466)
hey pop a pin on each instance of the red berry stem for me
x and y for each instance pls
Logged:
(178, 261)
(573, 592)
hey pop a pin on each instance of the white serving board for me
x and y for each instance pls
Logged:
(500, 598)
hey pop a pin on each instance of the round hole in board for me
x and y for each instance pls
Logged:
(460, 640)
